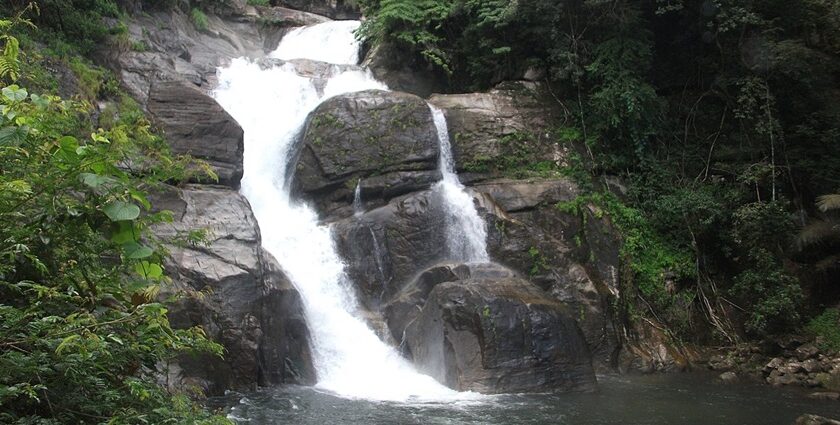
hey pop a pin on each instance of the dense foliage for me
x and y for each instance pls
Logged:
(82, 331)
(721, 115)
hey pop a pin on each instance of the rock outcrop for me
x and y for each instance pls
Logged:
(491, 131)
(235, 291)
(499, 335)
(574, 257)
(385, 139)
(194, 124)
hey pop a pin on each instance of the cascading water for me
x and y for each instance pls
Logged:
(358, 206)
(271, 104)
(466, 232)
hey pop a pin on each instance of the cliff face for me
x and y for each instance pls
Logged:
(538, 319)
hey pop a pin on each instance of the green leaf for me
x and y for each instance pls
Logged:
(124, 234)
(65, 343)
(41, 102)
(121, 211)
(136, 251)
(93, 180)
(68, 144)
(141, 198)
(14, 93)
(13, 135)
(149, 270)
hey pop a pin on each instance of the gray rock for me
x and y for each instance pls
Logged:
(824, 395)
(402, 71)
(728, 377)
(498, 336)
(815, 420)
(235, 291)
(194, 124)
(388, 135)
(807, 351)
(385, 248)
(575, 260)
(482, 125)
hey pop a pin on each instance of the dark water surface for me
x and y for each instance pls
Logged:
(684, 399)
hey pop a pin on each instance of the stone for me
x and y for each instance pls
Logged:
(728, 377)
(499, 335)
(815, 420)
(824, 395)
(774, 364)
(235, 291)
(807, 351)
(194, 124)
(812, 366)
(365, 134)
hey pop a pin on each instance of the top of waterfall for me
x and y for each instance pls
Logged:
(332, 42)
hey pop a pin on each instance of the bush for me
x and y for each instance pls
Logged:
(826, 326)
(259, 2)
(199, 19)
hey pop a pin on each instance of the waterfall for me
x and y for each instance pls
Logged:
(466, 232)
(271, 104)
(358, 206)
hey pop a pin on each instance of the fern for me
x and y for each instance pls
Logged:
(828, 203)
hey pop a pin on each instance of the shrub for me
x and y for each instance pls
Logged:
(826, 326)
(199, 19)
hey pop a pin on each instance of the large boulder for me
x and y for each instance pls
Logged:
(385, 139)
(574, 257)
(504, 128)
(195, 124)
(499, 335)
(384, 248)
(235, 291)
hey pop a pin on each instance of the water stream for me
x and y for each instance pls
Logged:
(466, 232)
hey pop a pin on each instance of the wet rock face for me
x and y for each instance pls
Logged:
(386, 247)
(235, 291)
(387, 139)
(499, 335)
(511, 120)
(194, 124)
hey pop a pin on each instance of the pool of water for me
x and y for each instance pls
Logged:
(683, 399)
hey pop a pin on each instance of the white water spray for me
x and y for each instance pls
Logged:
(271, 105)
(466, 232)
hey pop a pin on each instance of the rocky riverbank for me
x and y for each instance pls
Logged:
(786, 361)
